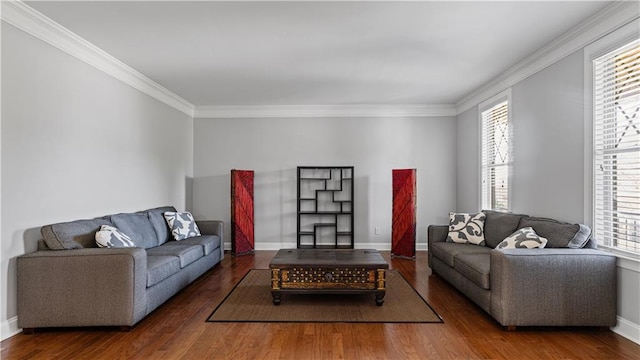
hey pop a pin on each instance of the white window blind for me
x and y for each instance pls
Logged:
(495, 157)
(617, 148)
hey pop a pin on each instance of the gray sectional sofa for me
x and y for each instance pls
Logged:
(567, 283)
(70, 282)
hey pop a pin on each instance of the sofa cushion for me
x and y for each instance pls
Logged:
(448, 251)
(161, 267)
(182, 224)
(186, 253)
(156, 217)
(73, 235)
(525, 238)
(138, 227)
(208, 242)
(498, 225)
(466, 228)
(559, 234)
(474, 267)
(111, 237)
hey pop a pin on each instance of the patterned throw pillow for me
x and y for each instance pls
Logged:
(182, 225)
(110, 237)
(466, 228)
(525, 238)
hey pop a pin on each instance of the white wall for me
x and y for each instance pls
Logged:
(467, 161)
(548, 160)
(77, 143)
(548, 145)
(548, 138)
(274, 147)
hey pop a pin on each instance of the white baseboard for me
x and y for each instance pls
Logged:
(627, 329)
(9, 327)
(278, 245)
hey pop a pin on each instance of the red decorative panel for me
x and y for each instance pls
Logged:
(403, 227)
(242, 239)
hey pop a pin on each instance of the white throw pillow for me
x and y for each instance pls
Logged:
(111, 237)
(525, 238)
(182, 225)
(466, 228)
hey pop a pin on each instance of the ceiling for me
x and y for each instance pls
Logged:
(241, 53)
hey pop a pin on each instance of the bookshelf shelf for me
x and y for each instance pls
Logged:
(325, 207)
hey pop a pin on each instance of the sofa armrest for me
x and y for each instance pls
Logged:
(82, 287)
(553, 287)
(213, 227)
(435, 233)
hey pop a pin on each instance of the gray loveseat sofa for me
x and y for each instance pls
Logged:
(70, 282)
(567, 283)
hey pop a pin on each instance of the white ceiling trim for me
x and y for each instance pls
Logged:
(610, 18)
(288, 111)
(36, 24)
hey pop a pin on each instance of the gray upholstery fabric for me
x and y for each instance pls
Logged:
(42, 245)
(559, 234)
(553, 287)
(82, 287)
(448, 251)
(209, 243)
(435, 234)
(156, 217)
(138, 227)
(213, 227)
(582, 238)
(530, 287)
(161, 267)
(186, 253)
(161, 292)
(590, 244)
(107, 286)
(478, 295)
(72, 235)
(498, 226)
(474, 267)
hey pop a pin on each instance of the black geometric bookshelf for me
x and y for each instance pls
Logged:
(325, 207)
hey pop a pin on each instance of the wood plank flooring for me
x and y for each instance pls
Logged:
(177, 330)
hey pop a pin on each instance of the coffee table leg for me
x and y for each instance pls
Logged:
(379, 299)
(276, 298)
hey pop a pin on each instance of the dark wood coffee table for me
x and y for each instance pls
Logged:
(334, 271)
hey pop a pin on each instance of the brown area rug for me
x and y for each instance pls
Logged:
(250, 301)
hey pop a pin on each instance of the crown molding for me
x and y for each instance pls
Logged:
(309, 111)
(600, 24)
(29, 20)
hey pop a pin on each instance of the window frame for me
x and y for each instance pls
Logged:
(595, 50)
(482, 107)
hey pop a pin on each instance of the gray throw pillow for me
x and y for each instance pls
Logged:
(156, 217)
(499, 225)
(138, 227)
(76, 234)
(559, 234)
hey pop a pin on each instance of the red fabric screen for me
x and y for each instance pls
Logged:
(403, 227)
(242, 240)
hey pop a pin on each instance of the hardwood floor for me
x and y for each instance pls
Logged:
(177, 330)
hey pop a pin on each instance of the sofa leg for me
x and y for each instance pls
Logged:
(510, 328)
(125, 328)
(29, 331)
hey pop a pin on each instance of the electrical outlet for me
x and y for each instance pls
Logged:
(376, 231)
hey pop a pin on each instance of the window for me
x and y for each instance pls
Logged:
(495, 140)
(616, 146)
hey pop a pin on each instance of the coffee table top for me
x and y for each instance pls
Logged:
(329, 257)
